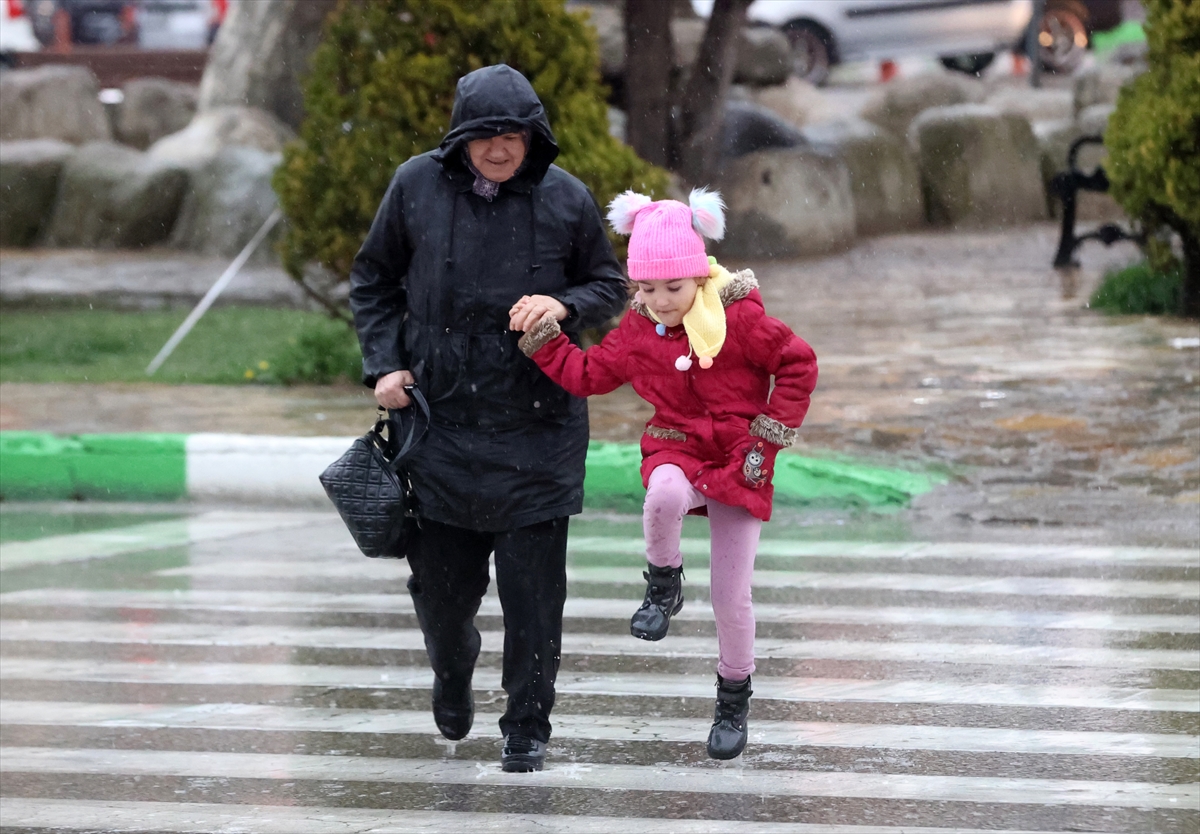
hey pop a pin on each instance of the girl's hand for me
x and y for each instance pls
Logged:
(529, 311)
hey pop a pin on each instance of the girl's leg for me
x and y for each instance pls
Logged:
(669, 496)
(734, 545)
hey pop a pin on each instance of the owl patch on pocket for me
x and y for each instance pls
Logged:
(753, 469)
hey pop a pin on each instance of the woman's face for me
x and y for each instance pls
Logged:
(499, 157)
(670, 300)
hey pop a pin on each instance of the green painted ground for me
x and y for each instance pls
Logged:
(22, 524)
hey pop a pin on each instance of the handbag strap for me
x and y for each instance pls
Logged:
(417, 418)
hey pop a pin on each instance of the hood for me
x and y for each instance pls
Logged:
(496, 100)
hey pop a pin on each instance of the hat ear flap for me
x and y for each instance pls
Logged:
(708, 213)
(623, 209)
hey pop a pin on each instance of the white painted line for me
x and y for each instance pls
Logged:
(151, 536)
(931, 583)
(808, 690)
(627, 728)
(260, 469)
(203, 818)
(969, 551)
(592, 608)
(195, 764)
(348, 637)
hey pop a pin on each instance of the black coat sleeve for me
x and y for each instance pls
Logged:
(596, 290)
(378, 297)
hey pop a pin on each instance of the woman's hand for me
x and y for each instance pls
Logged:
(389, 389)
(529, 311)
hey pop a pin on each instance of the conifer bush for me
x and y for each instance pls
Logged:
(1153, 142)
(381, 89)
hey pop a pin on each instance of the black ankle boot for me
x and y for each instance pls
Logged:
(729, 731)
(664, 598)
(453, 707)
(522, 754)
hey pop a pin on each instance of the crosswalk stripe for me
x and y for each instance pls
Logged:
(346, 637)
(198, 764)
(574, 683)
(934, 583)
(150, 536)
(205, 818)
(227, 716)
(979, 552)
(596, 608)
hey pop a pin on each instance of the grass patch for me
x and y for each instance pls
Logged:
(1139, 290)
(229, 345)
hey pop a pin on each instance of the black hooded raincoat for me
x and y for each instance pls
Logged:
(431, 288)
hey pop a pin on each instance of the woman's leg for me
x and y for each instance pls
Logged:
(669, 496)
(734, 545)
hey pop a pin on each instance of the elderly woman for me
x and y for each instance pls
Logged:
(480, 230)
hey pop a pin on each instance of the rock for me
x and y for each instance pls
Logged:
(110, 196)
(764, 57)
(795, 101)
(895, 104)
(52, 102)
(1034, 104)
(153, 108)
(750, 127)
(884, 178)
(29, 171)
(229, 199)
(1100, 84)
(210, 131)
(1054, 143)
(1093, 120)
(979, 167)
(786, 202)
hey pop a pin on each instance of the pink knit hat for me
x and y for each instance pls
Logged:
(665, 237)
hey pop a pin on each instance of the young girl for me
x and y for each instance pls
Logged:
(698, 346)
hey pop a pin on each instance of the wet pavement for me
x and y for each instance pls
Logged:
(238, 670)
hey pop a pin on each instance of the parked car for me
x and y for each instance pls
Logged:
(151, 24)
(16, 31)
(965, 34)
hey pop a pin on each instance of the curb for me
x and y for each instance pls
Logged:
(268, 470)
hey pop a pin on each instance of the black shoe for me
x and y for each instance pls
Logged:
(727, 738)
(664, 598)
(522, 754)
(453, 707)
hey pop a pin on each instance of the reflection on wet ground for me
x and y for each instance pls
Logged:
(222, 670)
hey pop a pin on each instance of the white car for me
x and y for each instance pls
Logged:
(965, 34)
(16, 31)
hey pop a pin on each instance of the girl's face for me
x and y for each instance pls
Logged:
(670, 300)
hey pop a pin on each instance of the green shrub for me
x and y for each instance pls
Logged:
(1139, 290)
(323, 351)
(381, 91)
(1153, 141)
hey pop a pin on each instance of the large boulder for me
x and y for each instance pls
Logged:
(52, 102)
(796, 101)
(110, 195)
(786, 202)
(29, 172)
(1100, 84)
(1036, 105)
(229, 199)
(895, 104)
(1093, 120)
(884, 178)
(153, 108)
(979, 167)
(764, 55)
(221, 127)
(749, 127)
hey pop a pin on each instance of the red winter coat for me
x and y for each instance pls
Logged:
(721, 426)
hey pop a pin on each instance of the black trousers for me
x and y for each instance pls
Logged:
(449, 578)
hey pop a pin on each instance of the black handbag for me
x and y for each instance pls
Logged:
(369, 484)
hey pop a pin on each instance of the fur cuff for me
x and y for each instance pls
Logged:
(773, 431)
(546, 330)
(660, 433)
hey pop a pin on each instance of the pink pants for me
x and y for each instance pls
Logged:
(734, 544)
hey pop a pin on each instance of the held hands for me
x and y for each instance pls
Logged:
(531, 308)
(389, 389)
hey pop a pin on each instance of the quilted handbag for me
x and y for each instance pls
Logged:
(369, 484)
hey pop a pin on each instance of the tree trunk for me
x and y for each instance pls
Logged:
(1190, 302)
(261, 54)
(648, 63)
(702, 116)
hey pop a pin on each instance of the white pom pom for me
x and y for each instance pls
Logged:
(683, 363)
(623, 209)
(708, 213)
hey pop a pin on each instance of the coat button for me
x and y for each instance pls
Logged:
(705, 486)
